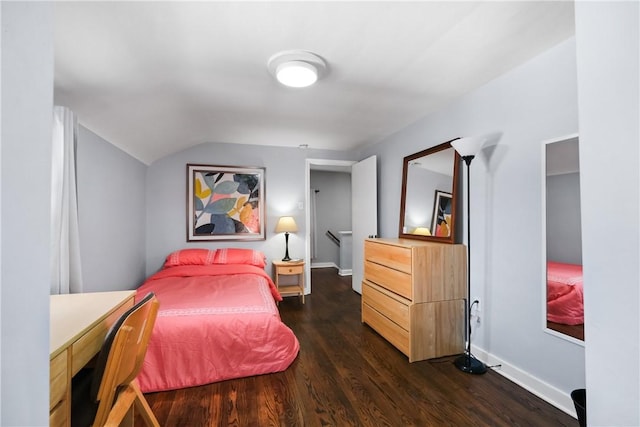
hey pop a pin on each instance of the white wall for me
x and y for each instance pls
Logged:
(518, 111)
(564, 233)
(285, 188)
(608, 47)
(112, 214)
(27, 101)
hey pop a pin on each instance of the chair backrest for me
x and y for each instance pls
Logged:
(122, 354)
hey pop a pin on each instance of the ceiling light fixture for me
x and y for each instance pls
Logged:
(297, 68)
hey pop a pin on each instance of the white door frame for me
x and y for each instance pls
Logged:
(307, 201)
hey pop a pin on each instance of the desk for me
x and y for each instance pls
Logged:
(78, 325)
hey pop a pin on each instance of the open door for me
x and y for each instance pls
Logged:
(364, 213)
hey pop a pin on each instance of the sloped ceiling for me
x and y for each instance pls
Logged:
(154, 78)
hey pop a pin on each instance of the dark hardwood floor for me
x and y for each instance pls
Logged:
(575, 331)
(347, 375)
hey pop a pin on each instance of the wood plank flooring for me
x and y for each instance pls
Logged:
(575, 331)
(347, 375)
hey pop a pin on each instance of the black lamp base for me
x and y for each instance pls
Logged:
(469, 364)
(286, 251)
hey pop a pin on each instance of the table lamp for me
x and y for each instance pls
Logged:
(286, 224)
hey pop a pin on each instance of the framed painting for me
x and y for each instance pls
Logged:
(225, 203)
(441, 219)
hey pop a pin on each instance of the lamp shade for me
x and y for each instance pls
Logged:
(469, 146)
(422, 231)
(286, 224)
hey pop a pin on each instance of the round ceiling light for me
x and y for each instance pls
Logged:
(296, 74)
(297, 68)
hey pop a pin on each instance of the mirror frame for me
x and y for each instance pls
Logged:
(545, 324)
(454, 194)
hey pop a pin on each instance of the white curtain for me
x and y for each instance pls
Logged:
(314, 228)
(66, 275)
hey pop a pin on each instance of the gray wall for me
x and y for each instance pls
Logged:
(285, 189)
(564, 235)
(608, 50)
(27, 100)
(333, 211)
(112, 214)
(518, 111)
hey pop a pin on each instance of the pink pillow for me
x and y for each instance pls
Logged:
(239, 256)
(190, 257)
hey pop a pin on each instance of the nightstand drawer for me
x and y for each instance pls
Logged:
(294, 269)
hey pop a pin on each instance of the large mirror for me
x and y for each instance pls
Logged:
(563, 286)
(429, 194)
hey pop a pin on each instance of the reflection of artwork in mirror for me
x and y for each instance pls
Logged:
(563, 263)
(441, 218)
(426, 174)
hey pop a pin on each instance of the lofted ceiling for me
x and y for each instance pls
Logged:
(154, 78)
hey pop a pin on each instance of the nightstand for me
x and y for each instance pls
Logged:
(289, 277)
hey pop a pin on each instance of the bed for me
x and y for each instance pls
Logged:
(218, 320)
(565, 302)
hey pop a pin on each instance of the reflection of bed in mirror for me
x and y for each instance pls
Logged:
(565, 301)
(563, 248)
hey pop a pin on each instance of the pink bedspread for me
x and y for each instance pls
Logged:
(565, 302)
(215, 322)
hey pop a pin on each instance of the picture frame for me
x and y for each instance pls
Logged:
(441, 219)
(225, 203)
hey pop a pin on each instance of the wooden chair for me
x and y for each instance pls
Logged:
(105, 394)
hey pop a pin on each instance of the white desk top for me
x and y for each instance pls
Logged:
(71, 315)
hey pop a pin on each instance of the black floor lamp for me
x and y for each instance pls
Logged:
(468, 148)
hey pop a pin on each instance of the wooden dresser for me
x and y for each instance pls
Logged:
(413, 295)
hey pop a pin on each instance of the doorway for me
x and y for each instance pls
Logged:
(364, 214)
(341, 166)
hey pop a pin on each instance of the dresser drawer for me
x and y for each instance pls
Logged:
(58, 379)
(395, 257)
(394, 280)
(391, 306)
(393, 333)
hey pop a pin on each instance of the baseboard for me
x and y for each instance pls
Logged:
(323, 265)
(344, 272)
(543, 390)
